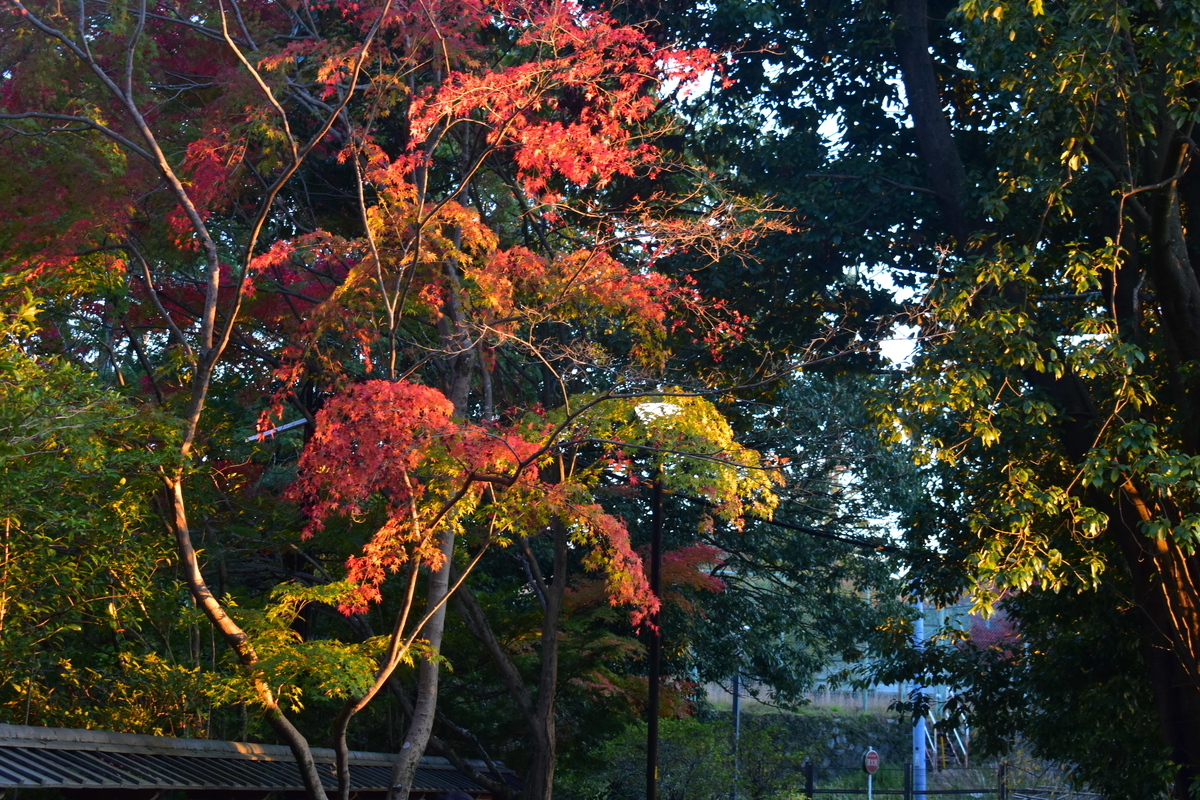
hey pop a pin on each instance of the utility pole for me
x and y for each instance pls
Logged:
(656, 529)
(737, 730)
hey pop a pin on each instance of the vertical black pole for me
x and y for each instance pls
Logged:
(809, 780)
(908, 781)
(656, 528)
(1002, 779)
(737, 732)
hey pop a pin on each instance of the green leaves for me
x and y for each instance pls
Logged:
(688, 438)
(86, 600)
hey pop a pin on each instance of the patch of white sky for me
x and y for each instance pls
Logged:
(899, 348)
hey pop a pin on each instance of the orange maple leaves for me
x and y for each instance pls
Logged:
(570, 105)
(576, 110)
(392, 451)
(376, 446)
(368, 440)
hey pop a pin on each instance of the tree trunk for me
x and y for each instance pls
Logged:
(417, 738)
(1165, 590)
(492, 780)
(938, 149)
(539, 780)
(1178, 290)
(1166, 578)
(238, 641)
(539, 712)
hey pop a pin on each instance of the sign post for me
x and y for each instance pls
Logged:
(870, 765)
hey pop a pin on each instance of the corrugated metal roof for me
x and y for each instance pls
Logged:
(78, 759)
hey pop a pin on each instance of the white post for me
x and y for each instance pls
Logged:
(918, 734)
(870, 763)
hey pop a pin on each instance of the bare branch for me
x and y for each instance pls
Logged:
(887, 181)
(276, 187)
(149, 280)
(89, 123)
(673, 452)
(237, 12)
(266, 90)
(133, 40)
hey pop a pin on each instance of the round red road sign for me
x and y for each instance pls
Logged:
(870, 762)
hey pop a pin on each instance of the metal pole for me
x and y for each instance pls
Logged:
(809, 780)
(918, 734)
(737, 732)
(656, 527)
(866, 692)
(908, 781)
(1002, 789)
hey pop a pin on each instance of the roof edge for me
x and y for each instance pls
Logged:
(110, 741)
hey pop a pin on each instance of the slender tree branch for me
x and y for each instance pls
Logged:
(148, 279)
(886, 181)
(266, 90)
(89, 123)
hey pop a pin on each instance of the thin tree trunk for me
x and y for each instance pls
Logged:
(539, 712)
(416, 739)
(493, 781)
(655, 660)
(4, 562)
(239, 642)
(477, 624)
(539, 779)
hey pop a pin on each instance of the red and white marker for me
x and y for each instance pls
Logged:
(870, 766)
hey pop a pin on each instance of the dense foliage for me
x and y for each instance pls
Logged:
(484, 277)
(1022, 172)
(325, 320)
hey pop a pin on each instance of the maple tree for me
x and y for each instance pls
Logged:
(609, 445)
(510, 203)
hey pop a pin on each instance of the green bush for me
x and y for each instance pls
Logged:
(695, 763)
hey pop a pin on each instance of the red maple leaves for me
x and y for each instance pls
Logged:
(565, 109)
(369, 439)
(571, 106)
(573, 111)
(391, 452)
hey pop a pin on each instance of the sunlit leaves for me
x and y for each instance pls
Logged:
(977, 406)
(607, 71)
(687, 438)
(1033, 310)
(82, 571)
